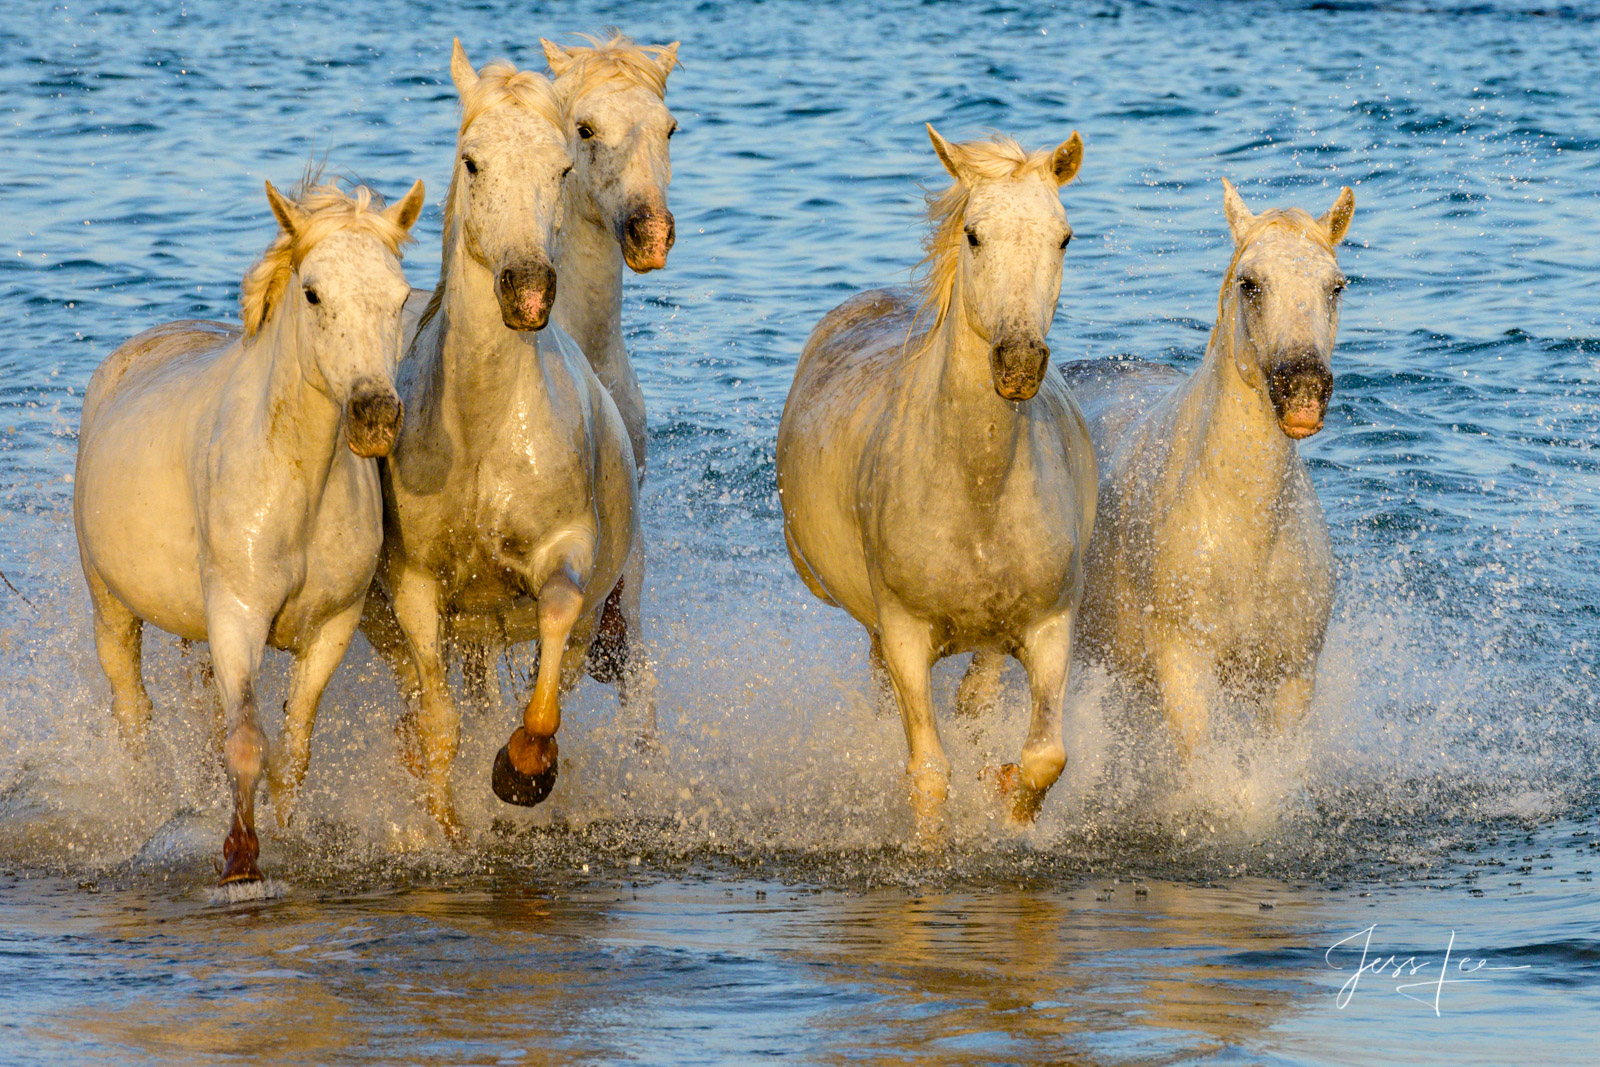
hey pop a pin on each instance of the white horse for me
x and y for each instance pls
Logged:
(1210, 562)
(509, 496)
(937, 484)
(225, 487)
(615, 95)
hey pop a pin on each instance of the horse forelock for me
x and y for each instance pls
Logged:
(615, 58)
(996, 159)
(326, 210)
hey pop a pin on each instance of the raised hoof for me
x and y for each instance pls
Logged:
(239, 854)
(408, 739)
(608, 653)
(530, 783)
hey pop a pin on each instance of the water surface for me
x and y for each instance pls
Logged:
(751, 888)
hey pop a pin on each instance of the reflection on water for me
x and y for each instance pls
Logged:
(571, 969)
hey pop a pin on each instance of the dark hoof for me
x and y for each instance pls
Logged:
(239, 854)
(525, 788)
(608, 653)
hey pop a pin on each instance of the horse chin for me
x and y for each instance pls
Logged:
(1017, 391)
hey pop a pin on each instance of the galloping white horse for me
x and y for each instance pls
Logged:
(619, 125)
(1210, 562)
(509, 497)
(225, 486)
(936, 482)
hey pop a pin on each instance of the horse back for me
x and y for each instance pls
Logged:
(151, 354)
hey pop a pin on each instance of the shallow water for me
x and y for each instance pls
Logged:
(750, 888)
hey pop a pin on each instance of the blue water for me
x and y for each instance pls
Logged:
(748, 891)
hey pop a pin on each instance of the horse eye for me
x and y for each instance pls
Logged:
(585, 130)
(672, 131)
(1250, 288)
(470, 163)
(566, 171)
(311, 296)
(1338, 287)
(1065, 241)
(972, 237)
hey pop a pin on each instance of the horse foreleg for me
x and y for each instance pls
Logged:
(480, 675)
(525, 767)
(979, 692)
(313, 667)
(415, 596)
(1187, 682)
(1047, 654)
(237, 638)
(907, 644)
(119, 640)
(616, 655)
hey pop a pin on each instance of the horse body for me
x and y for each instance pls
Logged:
(938, 484)
(214, 495)
(509, 497)
(1211, 561)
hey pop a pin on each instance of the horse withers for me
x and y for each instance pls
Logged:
(226, 486)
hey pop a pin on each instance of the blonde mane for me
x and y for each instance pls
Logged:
(996, 159)
(615, 58)
(500, 84)
(328, 210)
(1293, 219)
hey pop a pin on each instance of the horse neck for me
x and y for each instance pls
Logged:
(300, 422)
(1229, 427)
(956, 410)
(589, 293)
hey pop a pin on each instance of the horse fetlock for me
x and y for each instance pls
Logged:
(1042, 765)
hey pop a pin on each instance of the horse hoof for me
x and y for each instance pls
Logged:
(530, 783)
(1021, 804)
(239, 854)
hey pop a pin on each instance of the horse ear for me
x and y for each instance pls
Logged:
(289, 215)
(1239, 216)
(668, 58)
(405, 213)
(949, 154)
(556, 57)
(462, 72)
(1336, 220)
(1067, 159)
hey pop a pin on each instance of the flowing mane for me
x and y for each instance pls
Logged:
(328, 210)
(1293, 219)
(616, 58)
(996, 159)
(500, 84)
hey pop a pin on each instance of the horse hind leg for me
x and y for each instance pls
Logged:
(616, 656)
(437, 722)
(979, 692)
(525, 767)
(119, 641)
(313, 667)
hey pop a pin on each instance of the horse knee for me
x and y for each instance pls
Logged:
(1042, 765)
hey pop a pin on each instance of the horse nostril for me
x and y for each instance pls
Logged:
(508, 278)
